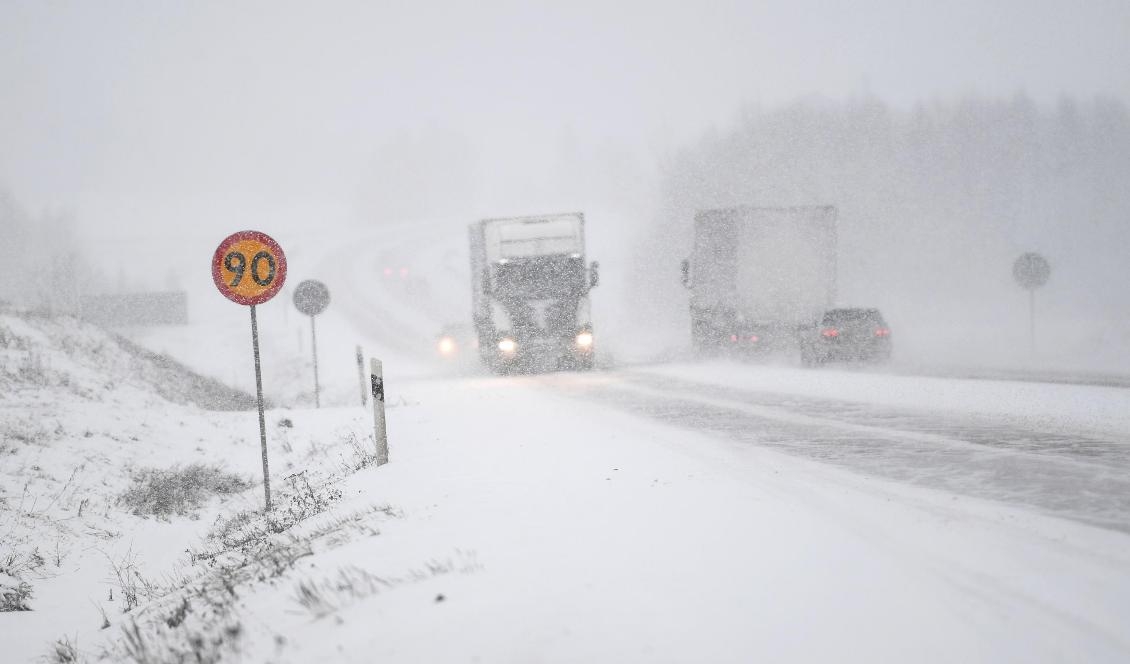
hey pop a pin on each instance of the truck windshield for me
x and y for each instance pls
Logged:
(540, 277)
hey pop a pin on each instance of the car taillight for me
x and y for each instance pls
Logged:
(734, 338)
(882, 332)
(754, 339)
(831, 332)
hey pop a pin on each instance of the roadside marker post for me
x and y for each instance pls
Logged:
(361, 376)
(249, 268)
(311, 298)
(377, 380)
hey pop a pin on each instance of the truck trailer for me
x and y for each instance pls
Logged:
(530, 293)
(760, 276)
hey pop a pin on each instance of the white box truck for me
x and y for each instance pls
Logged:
(530, 292)
(759, 276)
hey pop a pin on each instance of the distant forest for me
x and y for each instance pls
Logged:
(41, 267)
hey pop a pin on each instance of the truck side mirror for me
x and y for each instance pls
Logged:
(594, 274)
(686, 265)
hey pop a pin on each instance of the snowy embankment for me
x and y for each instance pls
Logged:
(108, 471)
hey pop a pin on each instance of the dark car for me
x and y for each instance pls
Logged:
(847, 335)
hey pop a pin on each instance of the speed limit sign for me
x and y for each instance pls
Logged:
(249, 267)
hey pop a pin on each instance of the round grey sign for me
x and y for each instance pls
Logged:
(311, 297)
(1031, 271)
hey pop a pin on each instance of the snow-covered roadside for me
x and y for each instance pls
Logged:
(516, 525)
(80, 418)
(1042, 405)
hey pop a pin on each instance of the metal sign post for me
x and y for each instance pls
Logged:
(259, 402)
(377, 379)
(311, 298)
(249, 268)
(314, 349)
(1031, 271)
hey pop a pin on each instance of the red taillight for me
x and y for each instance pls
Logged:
(754, 339)
(831, 332)
(882, 332)
(734, 338)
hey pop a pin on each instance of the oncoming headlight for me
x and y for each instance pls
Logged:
(507, 346)
(584, 340)
(446, 346)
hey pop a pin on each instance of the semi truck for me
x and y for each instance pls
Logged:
(530, 293)
(759, 277)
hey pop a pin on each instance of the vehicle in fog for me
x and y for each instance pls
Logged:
(847, 335)
(530, 292)
(455, 341)
(758, 276)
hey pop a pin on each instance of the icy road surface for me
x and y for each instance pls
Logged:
(1071, 473)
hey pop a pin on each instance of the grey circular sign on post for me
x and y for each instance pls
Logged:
(1031, 271)
(311, 297)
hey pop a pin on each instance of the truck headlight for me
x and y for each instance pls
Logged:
(584, 340)
(507, 346)
(446, 346)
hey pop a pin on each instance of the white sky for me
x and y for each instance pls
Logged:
(159, 117)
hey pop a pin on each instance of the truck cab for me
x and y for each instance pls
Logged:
(530, 293)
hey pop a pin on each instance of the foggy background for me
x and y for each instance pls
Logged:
(134, 136)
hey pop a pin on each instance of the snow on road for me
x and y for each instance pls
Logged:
(993, 452)
(604, 536)
(539, 527)
(1043, 405)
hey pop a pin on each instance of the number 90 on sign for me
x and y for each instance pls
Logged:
(249, 267)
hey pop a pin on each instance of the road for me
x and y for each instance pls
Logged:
(1070, 474)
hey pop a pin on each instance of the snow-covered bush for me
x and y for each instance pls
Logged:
(178, 490)
(14, 593)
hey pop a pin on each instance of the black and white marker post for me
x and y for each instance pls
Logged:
(311, 298)
(377, 379)
(361, 375)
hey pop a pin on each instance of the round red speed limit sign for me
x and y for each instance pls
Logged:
(249, 267)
